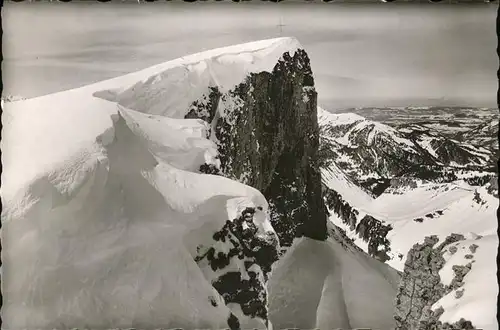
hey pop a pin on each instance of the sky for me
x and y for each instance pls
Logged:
(362, 55)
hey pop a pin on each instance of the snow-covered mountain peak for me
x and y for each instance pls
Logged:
(169, 88)
(221, 164)
(100, 175)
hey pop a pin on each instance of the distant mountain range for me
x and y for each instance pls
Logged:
(428, 143)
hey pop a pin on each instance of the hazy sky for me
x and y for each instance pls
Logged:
(362, 55)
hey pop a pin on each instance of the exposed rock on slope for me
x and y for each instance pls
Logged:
(420, 285)
(239, 244)
(369, 229)
(438, 275)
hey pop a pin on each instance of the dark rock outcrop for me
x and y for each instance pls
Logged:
(375, 232)
(375, 186)
(340, 236)
(371, 230)
(239, 242)
(431, 215)
(273, 144)
(341, 208)
(492, 187)
(421, 286)
(206, 107)
(473, 248)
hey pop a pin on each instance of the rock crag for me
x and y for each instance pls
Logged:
(267, 136)
(421, 287)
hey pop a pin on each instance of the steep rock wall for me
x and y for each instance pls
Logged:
(267, 135)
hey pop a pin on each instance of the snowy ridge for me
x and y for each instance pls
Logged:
(334, 289)
(254, 56)
(111, 201)
(325, 118)
(38, 152)
(171, 88)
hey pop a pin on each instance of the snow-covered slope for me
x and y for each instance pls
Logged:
(476, 299)
(435, 210)
(10, 98)
(95, 216)
(324, 285)
(104, 207)
(334, 178)
(109, 221)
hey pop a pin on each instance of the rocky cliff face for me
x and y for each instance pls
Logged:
(267, 135)
(420, 287)
(268, 138)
